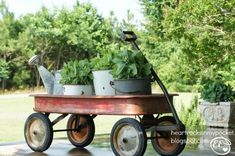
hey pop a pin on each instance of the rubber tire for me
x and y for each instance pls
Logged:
(179, 147)
(141, 133)
(90, 131)
(48, 132)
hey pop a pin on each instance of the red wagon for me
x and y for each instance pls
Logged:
(128, 136)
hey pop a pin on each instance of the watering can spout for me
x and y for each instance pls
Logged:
(35, 60)
(50, 83)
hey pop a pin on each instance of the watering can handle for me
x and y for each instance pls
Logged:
(128, 36)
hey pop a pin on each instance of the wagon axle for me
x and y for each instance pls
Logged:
(125, 140)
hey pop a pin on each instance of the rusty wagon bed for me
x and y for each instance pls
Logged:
(102, 105)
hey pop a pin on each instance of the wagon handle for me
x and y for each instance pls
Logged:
(128, 36)
(154, 74)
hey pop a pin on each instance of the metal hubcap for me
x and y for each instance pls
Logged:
(36, 132)
(127, 140)
(165, 144)
(81, 134)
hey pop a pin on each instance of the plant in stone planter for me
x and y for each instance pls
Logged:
(76, 76)
(217, 106)
(102, 67)
(132, 73)
(217, 91)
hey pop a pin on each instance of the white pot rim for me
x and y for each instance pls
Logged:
(102, 70)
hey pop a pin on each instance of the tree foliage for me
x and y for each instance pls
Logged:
(194, 37)
(186, 41)
(57, 35)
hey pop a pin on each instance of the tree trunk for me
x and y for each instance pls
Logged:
(3, 85)
(37, 76)
(58, 59)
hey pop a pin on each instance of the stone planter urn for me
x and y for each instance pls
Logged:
(220, 114)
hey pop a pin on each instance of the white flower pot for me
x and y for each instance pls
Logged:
(101, 82)
(78, 90)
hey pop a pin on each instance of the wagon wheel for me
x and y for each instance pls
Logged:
(128, 138)
(85, 130)
(38, 132)
(168, 143)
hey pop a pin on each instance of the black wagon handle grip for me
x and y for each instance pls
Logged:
(128, 36)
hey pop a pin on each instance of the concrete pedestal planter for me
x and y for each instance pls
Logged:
(78, 90)
(221, 114)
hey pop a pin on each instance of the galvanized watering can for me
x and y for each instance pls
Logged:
(51, 81)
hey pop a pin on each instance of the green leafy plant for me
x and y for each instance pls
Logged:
(77, 72)
(103, 63)
(130, 64)
(217, 91)
(190, 115)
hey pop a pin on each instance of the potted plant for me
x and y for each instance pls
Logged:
(102, 67)
(217, 106)
(76, 76)
(132, 74)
